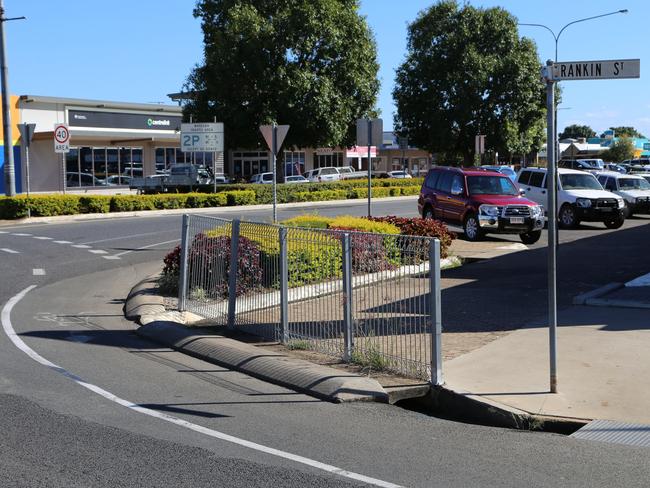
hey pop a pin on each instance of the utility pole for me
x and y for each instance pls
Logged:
(10, 172)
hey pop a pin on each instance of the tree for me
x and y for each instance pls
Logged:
(620, 150)
(626, 131)
(311, 64)
(576, 131)
(467, 72)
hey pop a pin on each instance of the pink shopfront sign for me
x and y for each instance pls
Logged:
(361, 152)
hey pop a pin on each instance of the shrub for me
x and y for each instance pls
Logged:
(310, 221)
(410, 190)
(130, 203)
(95, 204)
(422, 227)
(240, 197)
(362, 224)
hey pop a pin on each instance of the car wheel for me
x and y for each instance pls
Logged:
(428, 212)
(568, 219)
(614, 224)
(530, 237)
(472, 229)
(627, 212)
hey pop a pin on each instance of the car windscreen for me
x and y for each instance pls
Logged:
(633, 184)
(576, 181)
(491, 185)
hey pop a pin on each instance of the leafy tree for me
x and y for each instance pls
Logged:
(467, 72)
(626, 131)
(620, 150)
(311, 64)
(575, 131)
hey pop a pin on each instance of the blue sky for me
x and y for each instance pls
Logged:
(140, 50)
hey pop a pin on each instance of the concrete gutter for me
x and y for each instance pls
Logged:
(584, 298)
(180, 211)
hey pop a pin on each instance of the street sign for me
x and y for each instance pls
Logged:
(375, 134)
(26, 132)
(267, 133)
(61, 138)
(202, 137)
(479, 144)
(596, 70)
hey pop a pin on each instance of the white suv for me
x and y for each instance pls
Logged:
(329, 173)
(579, 197)
(634, 189)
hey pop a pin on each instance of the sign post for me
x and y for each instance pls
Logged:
(26, 135)
(62, 145)
(565, 71)
(369, 131)
(274, 136)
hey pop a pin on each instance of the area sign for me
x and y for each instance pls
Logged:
(202, 137)
(596, 70)
(61, 138)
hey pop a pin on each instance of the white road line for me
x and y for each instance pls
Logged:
(20, 234)
(146, 247)
(81, 246)
(62, 242)
(129, 236)
(97, 251)
(38, 272)
(5, 318)
(3, 232)
(10, 251)
(43, 238)
(111, 257)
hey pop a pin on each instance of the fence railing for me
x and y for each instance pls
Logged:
(371, 299)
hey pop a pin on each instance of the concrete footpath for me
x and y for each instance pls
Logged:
(603, 363)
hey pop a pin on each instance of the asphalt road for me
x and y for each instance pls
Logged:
(77, 424)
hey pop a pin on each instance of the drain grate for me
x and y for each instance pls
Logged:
(616, 432)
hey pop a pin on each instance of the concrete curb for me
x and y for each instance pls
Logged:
(598, 292)
(594, 298)
(180, 211)
(316, 380)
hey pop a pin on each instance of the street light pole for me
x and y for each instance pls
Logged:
(10, 172)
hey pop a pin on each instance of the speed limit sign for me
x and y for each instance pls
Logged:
(61, 138)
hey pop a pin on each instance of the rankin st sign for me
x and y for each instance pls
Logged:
(596, 70)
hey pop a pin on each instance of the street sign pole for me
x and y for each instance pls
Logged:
(26, 134)
(274, 158)
(369, 167)
(552, 225)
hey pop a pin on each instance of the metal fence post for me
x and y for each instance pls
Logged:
(232, 276)
(284, 286)
(434, 311)
(184, 265)
(347, 297)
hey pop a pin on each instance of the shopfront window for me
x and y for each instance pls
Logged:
(294, 163)
(249, 163)
(72, 167)
(325, 160)
(101, 166)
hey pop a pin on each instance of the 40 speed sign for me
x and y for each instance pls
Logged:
(61, 138)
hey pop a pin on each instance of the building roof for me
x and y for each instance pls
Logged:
(80, 102)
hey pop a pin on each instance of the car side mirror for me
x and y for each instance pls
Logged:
(522, 192)
(457, 190)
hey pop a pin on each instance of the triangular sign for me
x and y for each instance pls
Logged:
(267, 133)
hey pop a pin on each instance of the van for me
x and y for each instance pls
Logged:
(329, 173)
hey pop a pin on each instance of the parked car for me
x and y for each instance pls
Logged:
(221, 179)
(580, 164)
(506, 170)
(296, 179)
(264, 178)
(579, 197)
(481, 201)
(634, 189)
(398, 174)
(644, 175)
(73, 179)
(329, 173)
(615, 167)
(115, 180)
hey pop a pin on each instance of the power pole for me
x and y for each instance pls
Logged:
(10, 172)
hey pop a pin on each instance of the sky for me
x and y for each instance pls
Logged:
(141, 50)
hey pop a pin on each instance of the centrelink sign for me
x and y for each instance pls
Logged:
(120, 120)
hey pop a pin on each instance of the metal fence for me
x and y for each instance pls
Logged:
(371, 299)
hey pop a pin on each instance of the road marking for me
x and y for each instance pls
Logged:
(111, 257)
(129, 236)
(10, 251)
(81, 246)
(42, 238)
(5, 318)
(3, 232)
(62, 242)
(38, 272)
(20, 234)
(97, 251)
(146, 247)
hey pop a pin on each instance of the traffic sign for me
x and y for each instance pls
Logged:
(61, 138)
(596, 70)
(26, 132)
(369, 136)
(202, 137)
(267, 133)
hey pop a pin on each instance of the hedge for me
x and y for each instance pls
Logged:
(51, 205)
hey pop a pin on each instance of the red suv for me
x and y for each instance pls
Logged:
(481, 201)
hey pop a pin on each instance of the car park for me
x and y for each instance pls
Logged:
(263, 178)
(481, 201)
(580, 197)
(634, 189)
(328, 173)
(506, 170)
(296, 179)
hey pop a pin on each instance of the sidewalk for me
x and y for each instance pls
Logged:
(603, 365)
